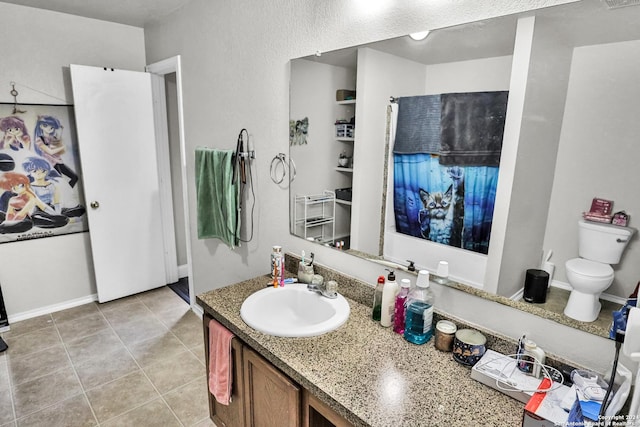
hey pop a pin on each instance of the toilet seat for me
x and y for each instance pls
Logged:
(589, 269)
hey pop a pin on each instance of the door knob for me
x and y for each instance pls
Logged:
(94, 205)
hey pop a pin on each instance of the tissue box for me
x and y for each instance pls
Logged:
(544, 409)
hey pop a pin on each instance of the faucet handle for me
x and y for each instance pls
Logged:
(331, 287)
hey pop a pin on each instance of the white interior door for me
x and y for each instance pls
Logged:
(114, 119)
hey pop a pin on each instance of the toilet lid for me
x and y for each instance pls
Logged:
(589, 268)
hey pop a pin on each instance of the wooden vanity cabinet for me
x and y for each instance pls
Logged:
(271, 398)
(263, 396)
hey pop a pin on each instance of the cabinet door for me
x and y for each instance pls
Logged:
(231, 415)
(271, 398)
(316, 413)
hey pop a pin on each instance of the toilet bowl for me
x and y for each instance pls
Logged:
(588, 279)
(599, 245)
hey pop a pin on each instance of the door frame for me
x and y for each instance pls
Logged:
(162, 68)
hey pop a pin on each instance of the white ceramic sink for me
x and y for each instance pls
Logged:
(293, 311)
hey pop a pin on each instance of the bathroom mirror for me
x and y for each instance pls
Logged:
(571, 130)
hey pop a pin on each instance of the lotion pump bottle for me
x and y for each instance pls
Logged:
(418, 327)
(377, 299)
(389, 293)
(400, 306)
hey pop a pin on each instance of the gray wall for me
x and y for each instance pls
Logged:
(598, 153)
(42, 275)
(235, 74)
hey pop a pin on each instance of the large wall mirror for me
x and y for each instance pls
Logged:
(570, 134)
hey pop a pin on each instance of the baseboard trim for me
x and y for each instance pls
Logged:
(197, 310)
(13, 318)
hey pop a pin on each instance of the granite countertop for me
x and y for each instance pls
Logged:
(369, 374)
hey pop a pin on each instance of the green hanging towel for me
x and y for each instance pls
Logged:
(216, 196)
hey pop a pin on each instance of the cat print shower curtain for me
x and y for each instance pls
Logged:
(446, 161)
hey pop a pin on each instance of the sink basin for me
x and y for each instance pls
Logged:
(293, 311)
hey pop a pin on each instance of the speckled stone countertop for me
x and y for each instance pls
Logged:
(369, 374)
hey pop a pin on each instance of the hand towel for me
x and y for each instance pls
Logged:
(220, 362)
(472, 126)
(418, 128)
(216, 196)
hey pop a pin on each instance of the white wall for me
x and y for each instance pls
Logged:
(176, 167)
(599, 152)
(380, 76)
(487, 74)
(38, 46)
(235, 72)
(314, 85)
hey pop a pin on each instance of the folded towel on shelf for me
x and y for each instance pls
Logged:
(418, 127)
(472, 128)
(217, 196)
(220, 362)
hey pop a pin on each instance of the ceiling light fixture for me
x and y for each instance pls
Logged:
(419, 36)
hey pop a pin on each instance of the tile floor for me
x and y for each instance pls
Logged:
(138, 361)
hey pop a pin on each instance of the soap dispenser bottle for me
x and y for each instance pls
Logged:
(418, 327)
(400, 306)
(377, 299)
(389, 293)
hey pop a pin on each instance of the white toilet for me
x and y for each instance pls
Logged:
(599, 245)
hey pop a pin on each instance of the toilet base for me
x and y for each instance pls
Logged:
(583, 307)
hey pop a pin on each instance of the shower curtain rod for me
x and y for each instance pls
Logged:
(393, 99)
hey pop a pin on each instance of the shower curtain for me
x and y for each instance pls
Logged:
(451, 204)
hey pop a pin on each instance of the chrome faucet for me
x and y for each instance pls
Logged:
(328, 290)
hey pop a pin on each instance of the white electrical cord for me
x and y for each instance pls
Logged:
(510, 385)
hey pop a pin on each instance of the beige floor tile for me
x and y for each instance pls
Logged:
(122, 395)
(73, 412)
(189, 402)
(140, 330)
(45, 391)
(29, 325)
(32, 366)
(11, 424)
(136, 310)
(175, 372)
(152, 414)
(156, 349)
(105, 368)
(173, 315)
(116, 304)
(74, 313)
(198, 351)
(90, 324)
(6, 407)
(32, 342)
(161, 299)
(190, 335)
(84, 349)
(205, 423)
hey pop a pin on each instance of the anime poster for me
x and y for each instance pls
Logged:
(40, 181)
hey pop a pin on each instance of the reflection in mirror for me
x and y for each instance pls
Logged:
(569, 136)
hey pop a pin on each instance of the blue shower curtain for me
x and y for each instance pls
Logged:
(470, 211)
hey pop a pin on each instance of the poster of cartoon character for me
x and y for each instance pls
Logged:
(40, 184)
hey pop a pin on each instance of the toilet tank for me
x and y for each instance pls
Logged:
(602, 242)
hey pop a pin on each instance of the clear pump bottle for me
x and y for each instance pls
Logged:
(400, 306)
(377, 299)
(418, 327)
(389, 293)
